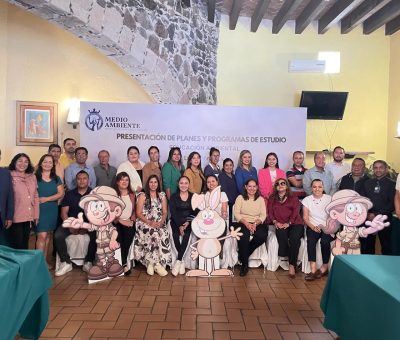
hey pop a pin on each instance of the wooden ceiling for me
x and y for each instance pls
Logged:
(371, 14)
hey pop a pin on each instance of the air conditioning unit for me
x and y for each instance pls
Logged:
(307, 66)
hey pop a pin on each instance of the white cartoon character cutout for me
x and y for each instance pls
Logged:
(208, 226)
(350, 209)
(102, 206)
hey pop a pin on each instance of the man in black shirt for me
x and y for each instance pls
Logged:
(381, 191)
(70, 208)
(356, 178)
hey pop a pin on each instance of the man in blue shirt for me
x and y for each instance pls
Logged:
(81, 156)
(319, 171)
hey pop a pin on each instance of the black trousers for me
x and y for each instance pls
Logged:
(61, 246)
(18, 235)
(368, 243)
(180, 247)
(289, 242)
(125, 239)
(312, 239)
(246, 247)
(230, 209)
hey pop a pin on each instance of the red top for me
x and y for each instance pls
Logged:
(285, 212)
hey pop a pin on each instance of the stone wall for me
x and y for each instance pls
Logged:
(169, 47)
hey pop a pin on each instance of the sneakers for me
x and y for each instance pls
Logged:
(86, 267)
(160, 270)
(182, 268)
(176, 268)
(63, 269)
(150, 269)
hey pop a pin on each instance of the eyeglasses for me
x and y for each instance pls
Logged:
(280, 183)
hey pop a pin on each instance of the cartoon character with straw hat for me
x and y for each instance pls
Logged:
(350, 209)
(102, 206)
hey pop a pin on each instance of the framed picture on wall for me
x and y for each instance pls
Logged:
(36, 123)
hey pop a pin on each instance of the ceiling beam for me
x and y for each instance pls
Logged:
(310, 12)
(234, 15)
(211, 10)
(339, 10)
(284, 14)
(258, 14)
(361, 13)
(384, 15)
(392, 26)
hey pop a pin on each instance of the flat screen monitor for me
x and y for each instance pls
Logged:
(323, 104)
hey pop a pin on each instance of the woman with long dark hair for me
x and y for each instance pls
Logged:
(126, 222)
(171, 171)
(50, 189)
(284, 214)
(268, 175)
(195, 173)
(26, 201)
(227, 180)
(152, 247)
(182, 215)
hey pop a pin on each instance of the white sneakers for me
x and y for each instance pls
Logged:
(63, 269)
(86, 267)
(182, 268)
(150, 269)
(178, 268)
(160, 270)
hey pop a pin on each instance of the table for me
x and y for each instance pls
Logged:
(24, 301)
(361, 299)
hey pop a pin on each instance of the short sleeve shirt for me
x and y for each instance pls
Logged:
(316, 207)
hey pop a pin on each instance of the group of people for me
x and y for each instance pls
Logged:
(40, 198)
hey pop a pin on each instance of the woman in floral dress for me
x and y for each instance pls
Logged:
(152, 246)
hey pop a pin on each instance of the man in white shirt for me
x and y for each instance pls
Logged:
(338, 167)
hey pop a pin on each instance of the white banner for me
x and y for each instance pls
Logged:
(115, 127)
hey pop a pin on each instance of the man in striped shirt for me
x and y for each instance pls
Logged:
(295, 175)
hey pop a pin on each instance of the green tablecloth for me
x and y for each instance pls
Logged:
(24, 301)
(361, 299)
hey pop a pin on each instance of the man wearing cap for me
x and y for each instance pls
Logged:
(102, 206)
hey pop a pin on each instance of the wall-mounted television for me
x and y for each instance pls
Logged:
(324, 104)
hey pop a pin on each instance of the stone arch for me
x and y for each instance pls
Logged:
(168, 47)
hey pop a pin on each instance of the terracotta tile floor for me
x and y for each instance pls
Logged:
(263, 305)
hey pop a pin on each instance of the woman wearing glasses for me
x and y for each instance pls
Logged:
(284, 213)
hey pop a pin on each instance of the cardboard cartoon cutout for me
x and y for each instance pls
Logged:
(208, 226)
(102, 206)
(350, 209)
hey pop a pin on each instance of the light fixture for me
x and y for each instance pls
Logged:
(73, 112)
(332, 61)
(398, 130)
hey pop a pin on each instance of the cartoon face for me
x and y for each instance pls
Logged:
(208, 224)
(99, 212)
(353, 215)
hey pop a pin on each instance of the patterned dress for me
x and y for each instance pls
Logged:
(152, 245)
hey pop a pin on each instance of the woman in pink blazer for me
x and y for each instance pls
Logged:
(268, 175)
